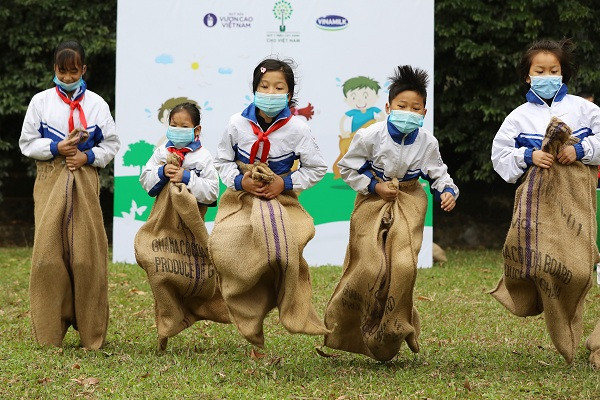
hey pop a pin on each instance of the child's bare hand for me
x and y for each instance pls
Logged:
(385, 192)
(448, 201)
(252, 186)
(273, 189)
(68, 147)
(175, 174)
(542, 159)
(77, 160)
(567, 155)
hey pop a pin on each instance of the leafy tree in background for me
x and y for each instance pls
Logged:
(477, 47)
(138, 154)
(30, 31)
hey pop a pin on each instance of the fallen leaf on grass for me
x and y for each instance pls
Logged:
(137, 291)
(86, 381)
(543, 363)
(44, 381)
(75, 366)
(467, 385)
(147, 374)
(424, 298)
(326, 355)
(342, 397)
(255, 355)
(274, 361)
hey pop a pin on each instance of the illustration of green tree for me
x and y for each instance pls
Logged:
(138, 154)
(282, 9)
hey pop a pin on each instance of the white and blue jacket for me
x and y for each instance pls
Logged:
(524, 129)
(47, 122)
(293, 141)
(383, 150)
(199, 173)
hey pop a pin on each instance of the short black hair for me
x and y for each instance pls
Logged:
(563, 50)
(69, 53)
(271, 64)
(408, 78)
(190, 108)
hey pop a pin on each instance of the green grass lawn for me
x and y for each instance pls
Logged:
(471, 347)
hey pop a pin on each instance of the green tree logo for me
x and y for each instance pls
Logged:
(282, 9)
(138, 154)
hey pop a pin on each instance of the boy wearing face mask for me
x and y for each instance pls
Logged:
(399, 147)
(371, 310)
(194, 166)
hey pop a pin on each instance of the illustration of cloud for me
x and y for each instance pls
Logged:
(164, 59)
(225, 71)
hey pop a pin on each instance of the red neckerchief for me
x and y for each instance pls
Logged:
(74, 104)
(180, 152)
(262, 137)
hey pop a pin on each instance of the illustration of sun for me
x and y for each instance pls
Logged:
(195, 65)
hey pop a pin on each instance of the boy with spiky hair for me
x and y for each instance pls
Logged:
(371, 311)
(361, 94)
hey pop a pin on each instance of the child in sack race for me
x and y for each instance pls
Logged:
(552, 144)
(260, 228)
(371, 310)
(70, 133)
(172, 245)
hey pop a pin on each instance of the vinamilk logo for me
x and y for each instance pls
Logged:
(332, 22)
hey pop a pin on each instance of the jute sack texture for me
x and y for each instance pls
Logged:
(256, 246)
(593, 345)
(550, 248)
(371, 311)
(172, 248)
(69, 283)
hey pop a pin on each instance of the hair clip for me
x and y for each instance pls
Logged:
(263, 70)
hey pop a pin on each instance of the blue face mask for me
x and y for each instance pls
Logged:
(546, 86)
(406, 121)
(67, 87)
(270, 104)
(180, 137)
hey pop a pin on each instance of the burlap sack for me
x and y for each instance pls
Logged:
(256, 246)
(593, 345)
(550, 248)
(171, 247)
(68, 284)
(371, 310)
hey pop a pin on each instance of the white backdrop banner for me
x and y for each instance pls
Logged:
(204, 51)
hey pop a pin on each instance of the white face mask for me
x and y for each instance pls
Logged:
(180, 137)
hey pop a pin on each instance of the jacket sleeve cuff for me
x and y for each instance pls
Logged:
(54, 148)
(528, 157)
(287, 183)
(579, 150)
(186, 177)
(371, 186)
(449, 190)
(161, 173)
(91, 157)
(237, 182)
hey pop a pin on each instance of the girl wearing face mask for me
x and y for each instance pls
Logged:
(562, 187)
(261, 229)
(70, 132)
(546, 67)
(195, 164)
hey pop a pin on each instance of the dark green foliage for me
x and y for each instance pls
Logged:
(30, 31)
(477, 47)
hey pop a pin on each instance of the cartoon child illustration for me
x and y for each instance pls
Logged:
(361, 94)
(165, 109)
